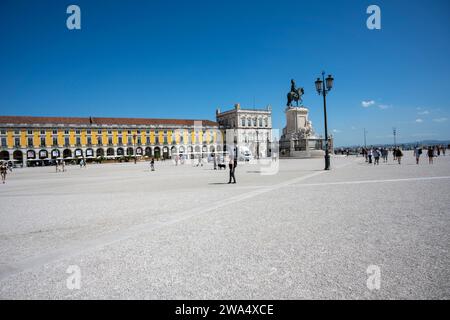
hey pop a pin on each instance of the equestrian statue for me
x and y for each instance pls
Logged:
(295, 94)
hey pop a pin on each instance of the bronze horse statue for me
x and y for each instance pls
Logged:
(295, 94)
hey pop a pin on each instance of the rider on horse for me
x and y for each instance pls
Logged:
(295, 94)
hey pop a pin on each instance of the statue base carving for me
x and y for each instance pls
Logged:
(298, 139)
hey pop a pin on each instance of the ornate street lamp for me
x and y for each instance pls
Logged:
(323, 86)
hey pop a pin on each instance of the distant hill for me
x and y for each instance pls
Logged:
(404, 144)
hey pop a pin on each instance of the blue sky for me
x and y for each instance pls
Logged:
(184, 59)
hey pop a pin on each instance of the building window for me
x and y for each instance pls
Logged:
(42, 142)
(120, 131)
(266, 122)
(17, 142)
(42, 131)
(78, 141)
(260, 122)
(249, 122)
(243, 122)
(30, 131)
(139, 132)
(66, 131)
(89, 140)
(129, 131)
(16, 132)
(66, 141)
(109, 132)
(3, 142)
(99, 141)
(99, 131)
(120, 141)
(110, 141)
(139, 140)
(129, 140)
(157, 139)
(30, 142)
(55, 141)
(77, 131)
(148, 140)
(88, 131)
(55, 131)
(3, 132)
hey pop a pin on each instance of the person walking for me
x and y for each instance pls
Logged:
(215, 161)
(370, 154)
(376, 156)
(3, 171)
(384, 154)
(152, 164)
(398, 155)
(430, 154)
(232, 167)
(417, 153)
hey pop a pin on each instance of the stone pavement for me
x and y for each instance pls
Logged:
(181, 232)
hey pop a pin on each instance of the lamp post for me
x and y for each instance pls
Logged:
(365, 144)
(257, 144)
(394, 131)
(323, 86)
(134, 147)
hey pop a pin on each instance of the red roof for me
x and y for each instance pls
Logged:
(99, 121)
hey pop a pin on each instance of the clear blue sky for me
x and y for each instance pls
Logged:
(184, 59)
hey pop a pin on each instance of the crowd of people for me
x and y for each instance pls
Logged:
(374, 154)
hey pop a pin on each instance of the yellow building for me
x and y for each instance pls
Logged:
(28, 139)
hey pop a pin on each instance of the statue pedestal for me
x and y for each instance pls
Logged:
(296, 119)
(297, 140)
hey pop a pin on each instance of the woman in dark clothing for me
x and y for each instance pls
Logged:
(232, 166)
(430, 155)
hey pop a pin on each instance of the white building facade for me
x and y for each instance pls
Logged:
(252, 129)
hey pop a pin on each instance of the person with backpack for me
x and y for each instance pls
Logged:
(376, 156)
(417, 153)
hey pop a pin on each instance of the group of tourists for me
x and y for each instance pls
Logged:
(431, 152)
(374, 154)
(60, 165)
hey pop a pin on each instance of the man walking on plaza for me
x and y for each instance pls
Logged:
(232, 165)
(376, 156)
(430, 154)
(398, 155)
(152, 164)
(3, 171)
(417, 153)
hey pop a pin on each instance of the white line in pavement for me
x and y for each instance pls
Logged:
(372, 181)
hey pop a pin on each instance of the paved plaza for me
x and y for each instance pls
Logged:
(181, 232)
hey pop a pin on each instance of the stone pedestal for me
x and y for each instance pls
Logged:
(298, 140)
